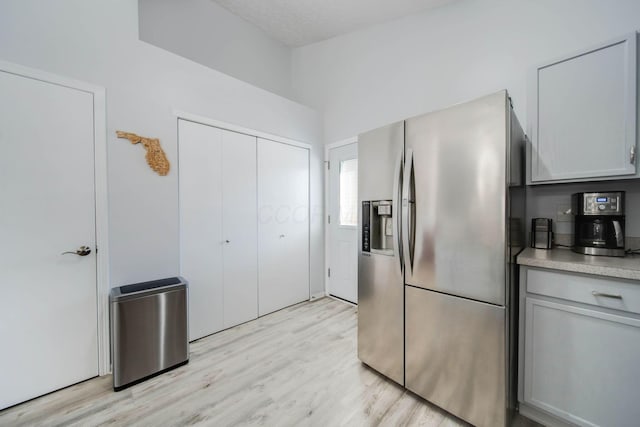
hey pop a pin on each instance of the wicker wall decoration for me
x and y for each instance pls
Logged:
(156, 158)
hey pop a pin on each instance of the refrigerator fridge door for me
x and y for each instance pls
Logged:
(455, 355)
(380, 280)
(454, 199)
(379, 151)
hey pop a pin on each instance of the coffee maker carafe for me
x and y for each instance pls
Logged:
(599, 223)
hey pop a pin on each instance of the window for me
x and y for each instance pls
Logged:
(349, 192)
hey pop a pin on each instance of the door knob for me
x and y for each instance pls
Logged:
(82, 251)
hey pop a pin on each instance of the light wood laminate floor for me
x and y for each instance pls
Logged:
(295, 367)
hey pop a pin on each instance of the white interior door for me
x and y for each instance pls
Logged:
(48, 308)
(283, 225)
(240, 228)
(201, 238)
(343, 213)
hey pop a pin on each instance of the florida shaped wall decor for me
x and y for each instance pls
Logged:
(156, 158)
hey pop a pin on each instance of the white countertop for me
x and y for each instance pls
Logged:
(627, 267)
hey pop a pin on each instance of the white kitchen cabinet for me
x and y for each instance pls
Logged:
(218, 226)
(583, 114)
(579, 359)
(283, 225)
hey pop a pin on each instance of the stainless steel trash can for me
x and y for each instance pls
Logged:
(148, 329)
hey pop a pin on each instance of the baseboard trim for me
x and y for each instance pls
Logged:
(342, 300)
(542, 417)
(316, 296)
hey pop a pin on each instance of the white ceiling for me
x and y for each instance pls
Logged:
(300, 22)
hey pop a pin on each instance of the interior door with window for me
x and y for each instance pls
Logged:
(343, 222)
(48, 308)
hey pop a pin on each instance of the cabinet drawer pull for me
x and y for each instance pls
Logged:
(603, 294)
(632, 155)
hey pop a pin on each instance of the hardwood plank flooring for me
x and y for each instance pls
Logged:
(295, 367)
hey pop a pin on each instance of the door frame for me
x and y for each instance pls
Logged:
(327, 251)
(100, 193)
(185, 115)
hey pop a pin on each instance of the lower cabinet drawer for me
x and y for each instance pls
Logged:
(618, 294)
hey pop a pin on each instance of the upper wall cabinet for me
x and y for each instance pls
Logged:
(583, 114)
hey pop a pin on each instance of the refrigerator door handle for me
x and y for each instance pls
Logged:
(397, 197)
(407, 207)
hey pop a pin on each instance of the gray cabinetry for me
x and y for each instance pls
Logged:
(580, 349)
(583, 114)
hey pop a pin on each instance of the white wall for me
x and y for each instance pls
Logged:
(448, 55)
(204, 32)
(97, 42)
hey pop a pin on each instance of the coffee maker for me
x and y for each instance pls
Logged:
(599, 223)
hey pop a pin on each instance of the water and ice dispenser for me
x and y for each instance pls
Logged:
(377, 226)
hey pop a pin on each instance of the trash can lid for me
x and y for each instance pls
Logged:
(146, 286)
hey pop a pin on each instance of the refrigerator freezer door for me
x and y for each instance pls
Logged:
(380, 279)
(458, 180)
(381, 316)
(455, 355)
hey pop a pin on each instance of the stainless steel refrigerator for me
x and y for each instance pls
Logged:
(441, 220)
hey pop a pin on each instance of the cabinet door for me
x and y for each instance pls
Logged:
(283, 225)
(582, 365)
(200, 175)
(239, 228)
(583, 115)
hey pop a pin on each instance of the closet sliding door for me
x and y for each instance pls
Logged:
(200, 182)
(218, 226)
(239, 228)
(283, 225)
